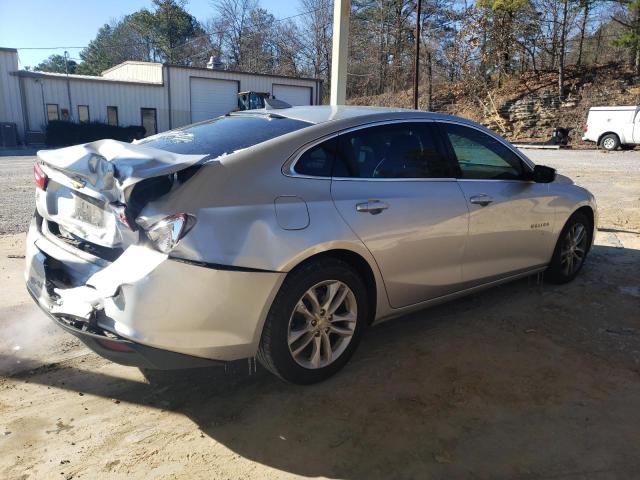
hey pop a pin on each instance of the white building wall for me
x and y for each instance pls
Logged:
(10, 103)
(130, 87)
(128, 97)
(181, 93)
(136, 72)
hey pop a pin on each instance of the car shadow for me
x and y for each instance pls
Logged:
(417, 388)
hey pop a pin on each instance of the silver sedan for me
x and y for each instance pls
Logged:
(285, 233)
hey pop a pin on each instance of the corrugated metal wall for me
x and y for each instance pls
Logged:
(38, 89)
(181, 94)
(129, 98)
(10, 104)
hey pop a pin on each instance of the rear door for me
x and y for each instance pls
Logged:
(394, 185)
(510, 217)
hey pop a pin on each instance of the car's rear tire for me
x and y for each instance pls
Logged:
(307, 337)
(610, 141)
(571, 249)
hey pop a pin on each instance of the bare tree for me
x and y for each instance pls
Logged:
(586, 10)
(563, 40)
(315, 38)
(232, 19)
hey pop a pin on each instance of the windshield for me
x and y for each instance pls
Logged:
(223, 135)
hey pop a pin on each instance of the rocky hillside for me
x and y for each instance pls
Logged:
(527, 108)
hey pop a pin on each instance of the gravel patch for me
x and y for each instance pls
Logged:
(16, 193)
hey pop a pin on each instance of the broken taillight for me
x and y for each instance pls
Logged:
(166, 233)
(120, 210)
(40, 177)
(585, 128)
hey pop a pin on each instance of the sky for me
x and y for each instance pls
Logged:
(74, 23)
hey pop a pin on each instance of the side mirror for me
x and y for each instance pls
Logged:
(542, 174)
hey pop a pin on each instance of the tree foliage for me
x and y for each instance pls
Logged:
(167, 33)
(630, 36)
(57, 64)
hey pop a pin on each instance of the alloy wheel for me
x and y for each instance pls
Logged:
(322, 324)
(609, 143)
(574, 249)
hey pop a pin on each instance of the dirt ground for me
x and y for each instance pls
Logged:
(523, 381)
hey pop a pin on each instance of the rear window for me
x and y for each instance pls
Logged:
(223, 134)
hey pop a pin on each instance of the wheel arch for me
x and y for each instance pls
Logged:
(583, 207)
(604, 134)
(554, 274)
(360, 265)
(590, 214)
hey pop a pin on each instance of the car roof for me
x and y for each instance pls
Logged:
(318, 114)
(327, 119)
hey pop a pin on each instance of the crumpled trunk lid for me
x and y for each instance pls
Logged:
(90, 185)
(111, 167)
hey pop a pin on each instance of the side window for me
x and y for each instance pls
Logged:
(481, 156)
(401, 150)
(317, 161)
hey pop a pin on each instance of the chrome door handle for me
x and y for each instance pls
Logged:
(372, 206)
(481, 199)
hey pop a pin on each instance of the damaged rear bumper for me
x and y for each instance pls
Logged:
(146, 309)
(125, 352)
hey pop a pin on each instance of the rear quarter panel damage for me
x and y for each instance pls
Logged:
(234, 199)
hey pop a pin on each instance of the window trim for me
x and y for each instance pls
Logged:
(288, 169)
(47, 105)
(88, 114)
(527, 164)
(155, 119)
(117, 116)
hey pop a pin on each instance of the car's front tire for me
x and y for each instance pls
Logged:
(571, 249)
(315, 322)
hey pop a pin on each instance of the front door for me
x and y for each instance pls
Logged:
(510, 218)
(394, 186)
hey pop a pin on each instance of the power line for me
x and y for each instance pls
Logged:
(49, 48)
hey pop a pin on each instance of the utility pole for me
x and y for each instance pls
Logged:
(563, 46)
(416, 71)
(340, 51)
(66, 67)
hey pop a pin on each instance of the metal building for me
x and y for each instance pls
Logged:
(157, 96)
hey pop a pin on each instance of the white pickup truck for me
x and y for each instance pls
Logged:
(613, 127)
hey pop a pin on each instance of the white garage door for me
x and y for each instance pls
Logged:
(293, 95)
(212, 97)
